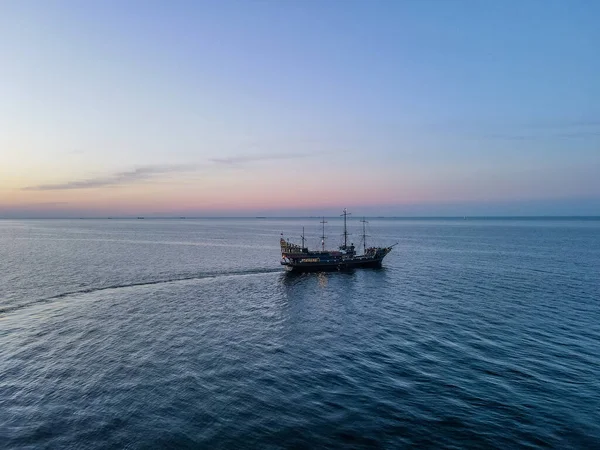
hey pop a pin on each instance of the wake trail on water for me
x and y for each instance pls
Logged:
(203, 276)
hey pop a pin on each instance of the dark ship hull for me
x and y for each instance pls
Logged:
(298, 258)
(333, 265)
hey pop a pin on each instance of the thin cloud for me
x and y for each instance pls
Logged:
(142, 174)
(556, 124)
(128, 177)
(561, 135)
(256, 158)
(521, 131)
(35, 205)
(557, 130)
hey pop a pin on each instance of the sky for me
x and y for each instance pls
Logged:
(244, 108)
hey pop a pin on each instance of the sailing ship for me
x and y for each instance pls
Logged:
(299, 258)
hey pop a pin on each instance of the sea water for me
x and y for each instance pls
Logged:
(480, 333)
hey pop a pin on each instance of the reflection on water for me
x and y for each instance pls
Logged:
(322, 277)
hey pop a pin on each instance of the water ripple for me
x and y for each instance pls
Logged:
(471, 336)
(11, 308)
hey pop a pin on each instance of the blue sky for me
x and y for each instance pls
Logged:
(245, 107)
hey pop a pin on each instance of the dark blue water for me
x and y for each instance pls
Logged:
(187, 334)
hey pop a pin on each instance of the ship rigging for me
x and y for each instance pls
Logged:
(299, 258)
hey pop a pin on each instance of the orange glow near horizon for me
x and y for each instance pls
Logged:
(215, 192)
(248, 190)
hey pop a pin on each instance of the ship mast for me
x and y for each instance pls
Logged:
(302, 238)
(345, 229)
(364, 222)
(323, 236)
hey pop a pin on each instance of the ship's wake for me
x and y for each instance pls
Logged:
(201, 276)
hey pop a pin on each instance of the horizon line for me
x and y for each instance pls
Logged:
(540, 216)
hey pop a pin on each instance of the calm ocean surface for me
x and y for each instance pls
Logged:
(187, 334)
